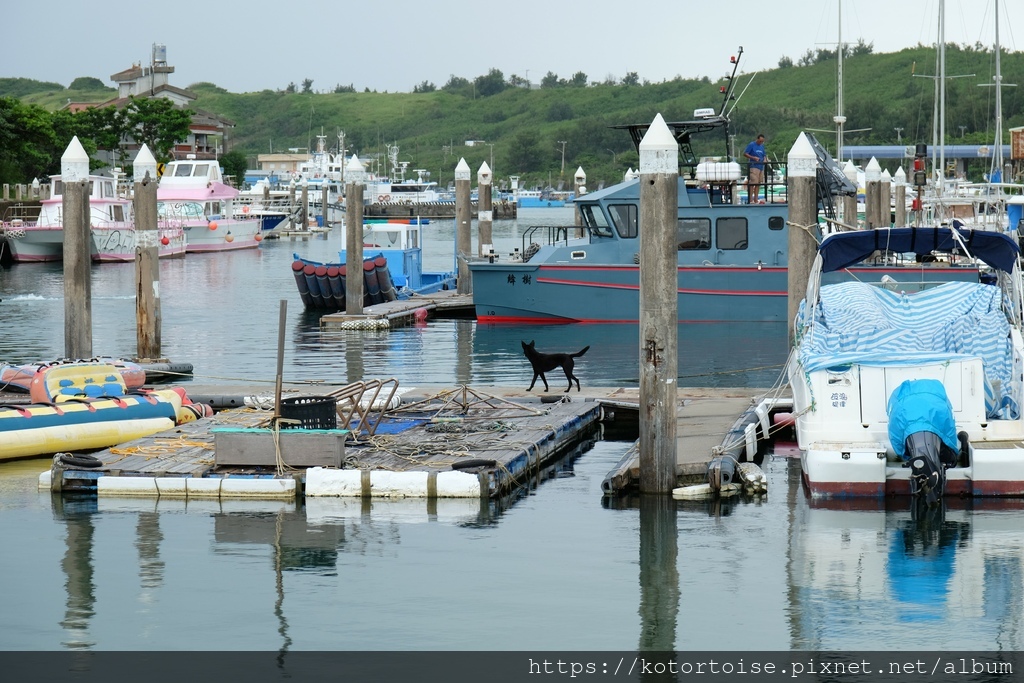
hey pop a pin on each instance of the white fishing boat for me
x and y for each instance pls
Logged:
(111, 219)
(912, 390)
(192, 196)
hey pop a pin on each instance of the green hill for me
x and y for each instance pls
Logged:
(891, 95)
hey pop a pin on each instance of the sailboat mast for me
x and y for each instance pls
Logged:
(997, 153)
(942, 96)
(839, 118)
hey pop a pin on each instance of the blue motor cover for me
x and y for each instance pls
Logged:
(920, 405)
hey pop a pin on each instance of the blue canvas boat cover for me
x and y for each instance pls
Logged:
(845, 249)
(855, 322)
(920, 405)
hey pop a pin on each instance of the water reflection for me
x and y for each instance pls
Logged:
(79, 572)
(659, 577)
(867, 573)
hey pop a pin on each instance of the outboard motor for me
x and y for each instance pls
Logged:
(922, 431)
(929, 459)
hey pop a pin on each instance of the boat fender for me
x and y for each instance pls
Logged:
(83, 460)
(473, 462)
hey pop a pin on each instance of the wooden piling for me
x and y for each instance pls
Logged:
(885, 201)
(485, 216)
(324, 194)
(304, 210)
(872, 194)
(354, 247)
(147, 256)
(850, 203)
(463, 226)
(659, 307)
(77, 252)
(803, 222)
(900, 178)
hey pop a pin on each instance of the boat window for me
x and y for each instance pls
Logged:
(593, 218)
(776, 223)
(731, 233)
(183, 171)
(625, 218)
(693, 233)
(106, 189)
(214, 209)
(180, 210)
(57, 187)
(201, 170)
(117, 213)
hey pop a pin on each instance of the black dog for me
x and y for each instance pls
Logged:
(545, 362)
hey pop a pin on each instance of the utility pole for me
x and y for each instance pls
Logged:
(562, 143)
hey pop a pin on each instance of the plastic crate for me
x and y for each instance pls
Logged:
(312, 412)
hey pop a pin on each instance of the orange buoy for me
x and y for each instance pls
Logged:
(213, 225)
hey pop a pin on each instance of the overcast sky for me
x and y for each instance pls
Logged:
(396, 44)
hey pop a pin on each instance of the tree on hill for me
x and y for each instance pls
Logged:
(87, 83)
(491, 84)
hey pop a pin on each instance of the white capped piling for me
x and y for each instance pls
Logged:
(580, 189)
(873, 194)
(900, 178)
(147, 256)
(354, 288)
(485, 213)
(850, 203)
(659, 307)
(802, 167)
(463, 227)
(885, 201)
(74, 170)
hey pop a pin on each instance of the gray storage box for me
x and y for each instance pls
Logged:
(254, 447)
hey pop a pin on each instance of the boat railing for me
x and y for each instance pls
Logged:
(550, 235)
(18, 215)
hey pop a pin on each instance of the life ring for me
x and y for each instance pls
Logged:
(80, 460)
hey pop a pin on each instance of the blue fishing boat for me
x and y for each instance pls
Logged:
(392, 269)
(732, 256)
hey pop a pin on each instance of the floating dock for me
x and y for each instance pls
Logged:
(457, 443)
(446, 303)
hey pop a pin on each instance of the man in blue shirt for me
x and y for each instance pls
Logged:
(755, 175)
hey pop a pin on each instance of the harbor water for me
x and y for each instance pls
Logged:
(553, 567)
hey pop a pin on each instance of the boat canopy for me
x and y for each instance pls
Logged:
(845, 249)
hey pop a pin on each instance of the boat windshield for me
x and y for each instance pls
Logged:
(179, 209)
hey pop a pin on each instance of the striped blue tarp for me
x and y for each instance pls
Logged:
(869, 325)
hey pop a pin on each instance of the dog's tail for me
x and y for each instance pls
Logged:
(580, 353)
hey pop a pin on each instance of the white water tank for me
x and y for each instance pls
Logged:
(718, 171)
